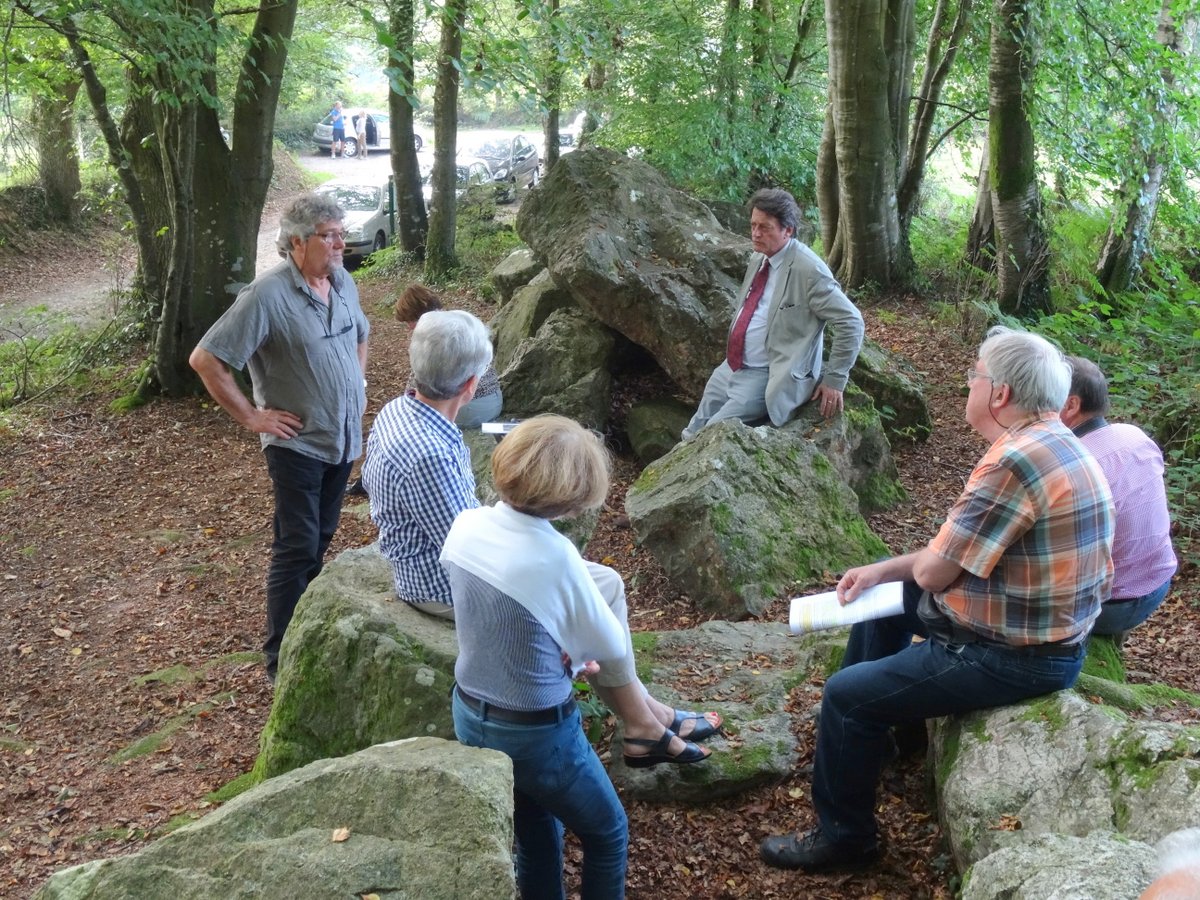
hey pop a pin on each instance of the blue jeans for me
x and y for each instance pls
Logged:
(1125, 615)
(557, 780)
(308, 505)
(887, 680)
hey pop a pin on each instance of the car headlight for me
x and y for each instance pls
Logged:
(353, 235)
(501, 174)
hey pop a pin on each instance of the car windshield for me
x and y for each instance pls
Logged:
(494, 150)
(359, 198)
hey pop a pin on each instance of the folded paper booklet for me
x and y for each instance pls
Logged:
(817, 612)
(500, 428)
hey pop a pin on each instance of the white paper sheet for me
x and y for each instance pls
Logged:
(817, 612)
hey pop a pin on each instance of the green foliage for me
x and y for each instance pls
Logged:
(40, 354)
(595, 713)
(1147, 342)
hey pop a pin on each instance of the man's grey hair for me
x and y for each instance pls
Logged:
(302, 217)
(778, 203)
(447, 348)
(1089, 385)
(1036, 371)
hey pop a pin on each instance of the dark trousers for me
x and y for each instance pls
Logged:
(308, 505)
(887, 680)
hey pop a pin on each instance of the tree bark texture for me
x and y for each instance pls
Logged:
(58, 149)
(552, 89)
(945, 37)
(868, 58)
(412, 221)
(1128, 237)
(981, 235)
(440, 256)
(195, 202)
(1022, 252)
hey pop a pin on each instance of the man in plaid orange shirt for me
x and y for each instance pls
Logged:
(1004, 595)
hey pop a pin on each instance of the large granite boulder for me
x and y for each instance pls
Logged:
(653, 426)
(515, 270)
(1062, 867)
(895, 386)
(423, 818)
(562, 369)
(645, 259)
(357, 667)
(1061, 765)
(858, 448)
(740, 516)
(531, 305)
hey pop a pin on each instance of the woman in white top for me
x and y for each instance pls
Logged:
(530, 616)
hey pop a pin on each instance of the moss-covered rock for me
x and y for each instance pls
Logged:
(357, 668)
(653, 426)
(894, 385)
(742, 516)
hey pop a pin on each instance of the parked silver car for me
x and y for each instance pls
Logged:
(514, 162)
(379, 136)
(369, 222)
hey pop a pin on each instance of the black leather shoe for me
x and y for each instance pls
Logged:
(813, 852)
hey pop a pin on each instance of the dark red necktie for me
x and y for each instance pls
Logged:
(737, 338)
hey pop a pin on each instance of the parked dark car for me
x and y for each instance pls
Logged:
(473, 180)
(514, 162)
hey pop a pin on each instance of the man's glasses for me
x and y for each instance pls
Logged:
(973, 374)
(331, 237)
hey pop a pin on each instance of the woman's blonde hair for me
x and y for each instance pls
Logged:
(415, 302)
(550, 466)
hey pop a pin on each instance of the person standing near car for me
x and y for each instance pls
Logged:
(360, 133)
(302, 334)
(337, 121)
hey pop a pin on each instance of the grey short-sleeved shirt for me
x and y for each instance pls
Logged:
(302, 355)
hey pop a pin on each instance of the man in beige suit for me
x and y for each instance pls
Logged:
(773, 357)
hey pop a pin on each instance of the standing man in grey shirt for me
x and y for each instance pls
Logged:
(302, 334)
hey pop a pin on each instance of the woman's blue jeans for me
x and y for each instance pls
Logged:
(888, 680)
(557, 780)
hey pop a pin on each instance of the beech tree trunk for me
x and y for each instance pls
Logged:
(981, 236)
(552, 90)
(945, 37)
(1128, 236)
(1022, 252)
(58, 153)
(439, 251)
(870, 61)
(194, 201)
(412, 222)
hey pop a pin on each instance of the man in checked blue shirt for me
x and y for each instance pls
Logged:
(418, 469)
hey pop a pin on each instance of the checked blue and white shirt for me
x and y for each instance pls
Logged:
(418, 477)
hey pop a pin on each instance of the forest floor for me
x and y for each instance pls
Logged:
(132, 558)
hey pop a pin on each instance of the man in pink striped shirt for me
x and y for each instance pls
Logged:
(1143, 559)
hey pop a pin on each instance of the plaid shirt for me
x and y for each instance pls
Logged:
(1033, 532)
(418, 477)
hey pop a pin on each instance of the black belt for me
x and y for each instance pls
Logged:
(1122, 599)
(1065, 650)
(550, 716)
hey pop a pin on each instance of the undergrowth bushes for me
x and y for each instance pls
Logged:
(1147, 340)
